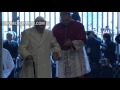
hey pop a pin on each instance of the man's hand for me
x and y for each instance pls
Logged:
(68, 43)
(30, 57)
(55, 56)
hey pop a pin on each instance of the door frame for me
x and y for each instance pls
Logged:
(1, 44)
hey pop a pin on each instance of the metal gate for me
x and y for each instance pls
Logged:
(96, 21)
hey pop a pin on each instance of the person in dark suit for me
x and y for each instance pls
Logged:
(93, 51)
(109, 48)
(12, 47)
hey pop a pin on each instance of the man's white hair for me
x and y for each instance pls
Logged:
(40, 19)
(10, 33)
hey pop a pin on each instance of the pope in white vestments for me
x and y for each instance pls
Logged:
(36, 46)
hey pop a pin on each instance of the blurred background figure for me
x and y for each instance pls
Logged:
(76, 16)
(117, 38)
(12, 46)
(107, 29)
(94, 53)
(14, 35)
(8, 64)
(109, 48)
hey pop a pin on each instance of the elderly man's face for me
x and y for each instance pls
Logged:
(65, 17)
(9, 37)
(40, 24)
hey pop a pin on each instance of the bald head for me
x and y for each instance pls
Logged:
(40, 24)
